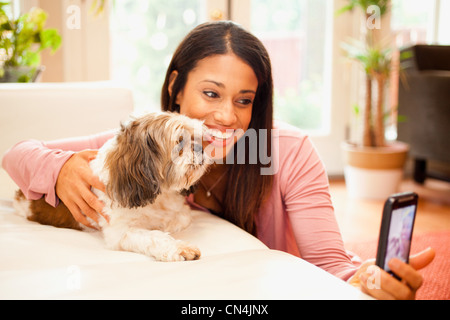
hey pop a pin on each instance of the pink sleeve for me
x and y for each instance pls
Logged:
(311, 213)
(34, 165)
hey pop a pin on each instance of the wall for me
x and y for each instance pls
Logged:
(84, 54)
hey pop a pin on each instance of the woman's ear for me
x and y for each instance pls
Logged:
(172, 78)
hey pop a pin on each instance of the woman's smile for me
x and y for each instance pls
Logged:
(221, 137)
(220, 90)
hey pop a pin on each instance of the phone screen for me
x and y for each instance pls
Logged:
(399, 236)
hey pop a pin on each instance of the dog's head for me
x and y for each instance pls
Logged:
(156, 152)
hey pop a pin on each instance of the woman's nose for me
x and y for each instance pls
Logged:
(225, 114)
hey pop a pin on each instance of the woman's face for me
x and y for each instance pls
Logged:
(220, 90)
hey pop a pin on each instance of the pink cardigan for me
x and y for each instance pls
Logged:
(297, 218)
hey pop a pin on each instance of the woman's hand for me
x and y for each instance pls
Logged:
(73, 187)
(381, 285)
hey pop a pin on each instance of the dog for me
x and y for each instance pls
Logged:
(147, 168)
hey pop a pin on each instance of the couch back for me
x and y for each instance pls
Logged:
(49, 111)
(432, 57)
(423, 99)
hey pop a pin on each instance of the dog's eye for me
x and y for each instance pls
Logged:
(180, 146)
(181, 142)
(197, 148)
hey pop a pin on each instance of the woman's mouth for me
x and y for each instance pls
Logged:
(219, 138)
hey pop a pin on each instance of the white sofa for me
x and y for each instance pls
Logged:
(43, 262)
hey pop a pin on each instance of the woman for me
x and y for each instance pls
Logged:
(221, 74)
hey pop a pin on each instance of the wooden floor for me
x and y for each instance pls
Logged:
(359, 220)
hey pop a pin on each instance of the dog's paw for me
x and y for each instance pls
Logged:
(183, 252)
(189, 252)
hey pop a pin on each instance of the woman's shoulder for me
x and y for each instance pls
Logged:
(291, 148)
(288, 136)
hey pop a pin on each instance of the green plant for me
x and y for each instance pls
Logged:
(375, 59)
(23, 39)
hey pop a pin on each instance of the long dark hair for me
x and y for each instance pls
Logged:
(247, 188)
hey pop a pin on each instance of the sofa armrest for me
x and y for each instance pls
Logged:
(49, 111)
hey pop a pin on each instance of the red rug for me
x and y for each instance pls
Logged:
(436, 275)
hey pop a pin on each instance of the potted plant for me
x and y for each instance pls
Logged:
(21, 42)
(373, 167)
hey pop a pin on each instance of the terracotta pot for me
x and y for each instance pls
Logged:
(374, 172)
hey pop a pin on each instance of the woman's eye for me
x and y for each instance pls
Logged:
(245, 102)
(210, 94)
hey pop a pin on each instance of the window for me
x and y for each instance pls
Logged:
(295, 34)
(420, 22)
(144, 36)
(411, 21)
(443, 9)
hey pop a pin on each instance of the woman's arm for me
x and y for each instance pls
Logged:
(35, 168)
(57, 170)
(93, 142)
(310, 210)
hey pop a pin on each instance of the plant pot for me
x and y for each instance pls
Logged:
(22, 74)
(374, 172)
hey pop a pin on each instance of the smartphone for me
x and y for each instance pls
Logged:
(396, 230)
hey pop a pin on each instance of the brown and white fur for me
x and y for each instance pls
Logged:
(145, 169)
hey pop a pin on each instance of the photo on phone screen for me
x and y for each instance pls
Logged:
(399, 237)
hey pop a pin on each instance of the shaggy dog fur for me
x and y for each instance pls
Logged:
(146, 168)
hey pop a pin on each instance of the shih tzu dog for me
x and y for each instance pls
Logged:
(146, 169)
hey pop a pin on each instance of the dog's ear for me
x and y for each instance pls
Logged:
(134, 175)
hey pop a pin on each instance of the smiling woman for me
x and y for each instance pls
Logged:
(225, 104)
(221, 74)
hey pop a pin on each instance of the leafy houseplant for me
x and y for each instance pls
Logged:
(374, 168)
(375, 60)
(21, 42)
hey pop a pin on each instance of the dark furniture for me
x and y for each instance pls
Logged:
(424, 98)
